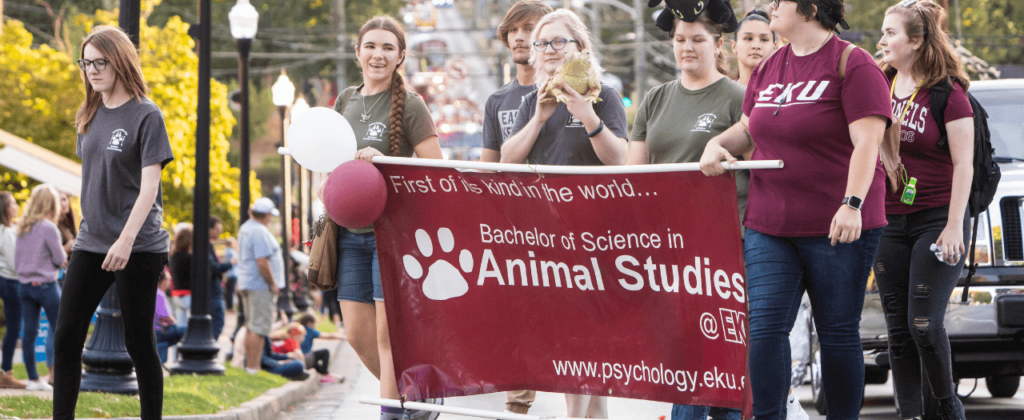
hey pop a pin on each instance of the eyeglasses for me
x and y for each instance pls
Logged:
(98, 64)
(908, 3)
(556, 44)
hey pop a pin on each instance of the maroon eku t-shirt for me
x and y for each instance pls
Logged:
(919, 151)
(811, 135)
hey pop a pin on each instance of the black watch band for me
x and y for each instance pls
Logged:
(596, 130)
(854, 202)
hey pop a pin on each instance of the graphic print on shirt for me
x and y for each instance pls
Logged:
(913, 121)
(704, 123)
(117, 140)
(776, 93)
(374, 132)
(507, 119)
(573, 122)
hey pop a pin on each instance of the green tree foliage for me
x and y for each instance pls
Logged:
(41, 91)
(992, 29)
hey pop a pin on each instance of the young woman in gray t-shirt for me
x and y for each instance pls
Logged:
(123, 144)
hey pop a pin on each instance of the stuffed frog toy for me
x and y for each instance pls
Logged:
(577, 72)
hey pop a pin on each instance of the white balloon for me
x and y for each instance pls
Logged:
(320, 139)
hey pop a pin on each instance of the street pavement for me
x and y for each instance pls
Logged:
(340, 401)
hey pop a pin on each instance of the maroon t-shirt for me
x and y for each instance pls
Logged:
(811, 135)
(919, 136)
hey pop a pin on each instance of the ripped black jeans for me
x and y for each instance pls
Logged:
(915, 288)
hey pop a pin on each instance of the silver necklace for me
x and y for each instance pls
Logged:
(366, 114)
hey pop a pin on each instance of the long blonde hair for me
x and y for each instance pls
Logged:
(43, 204)
(116, 47)
(578, 31)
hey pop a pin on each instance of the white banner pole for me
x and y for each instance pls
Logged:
(566, 170)
(445, 409)
(575, 170)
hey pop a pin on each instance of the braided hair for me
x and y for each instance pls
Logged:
(396, 131)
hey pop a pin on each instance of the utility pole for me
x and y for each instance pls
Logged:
(341, 37)
(639, 64)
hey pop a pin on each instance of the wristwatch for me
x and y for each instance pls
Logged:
(853, 201)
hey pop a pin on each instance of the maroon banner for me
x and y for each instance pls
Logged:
(625, 285)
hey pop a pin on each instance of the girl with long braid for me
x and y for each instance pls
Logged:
(400, 126)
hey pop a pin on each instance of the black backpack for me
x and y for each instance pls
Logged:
(986, 171)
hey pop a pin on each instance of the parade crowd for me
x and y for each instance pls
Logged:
(790, 90)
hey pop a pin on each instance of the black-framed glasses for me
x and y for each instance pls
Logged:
(556, 44)
(99, 64)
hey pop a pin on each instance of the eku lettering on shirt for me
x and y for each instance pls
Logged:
(775, 93)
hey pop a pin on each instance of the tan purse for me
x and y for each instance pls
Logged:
(323, 256)
(889, 151)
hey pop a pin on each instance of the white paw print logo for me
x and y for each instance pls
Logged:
(443, 281)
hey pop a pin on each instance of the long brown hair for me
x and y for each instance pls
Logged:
(43, 204)
(6, 198)
(67, 219)
(936, 60)
(182, 241)
(396, 131)
(116, 47)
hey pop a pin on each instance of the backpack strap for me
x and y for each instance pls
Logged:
(940, 93)
(343, 98)
(844, 58)
(971, 266)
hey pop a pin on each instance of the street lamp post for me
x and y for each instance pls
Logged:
(244, 20)
(198, 350)
(283, 95)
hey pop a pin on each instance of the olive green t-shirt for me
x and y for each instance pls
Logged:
(676, 124)
(417, 124)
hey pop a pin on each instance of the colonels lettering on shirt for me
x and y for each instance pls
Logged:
(914, 120)
(775, 93)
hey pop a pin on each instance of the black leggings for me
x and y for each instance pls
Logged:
(86, 283)
(319, 360)
(915, 288)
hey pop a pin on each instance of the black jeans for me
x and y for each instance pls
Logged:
(86, 283)
(915, 288)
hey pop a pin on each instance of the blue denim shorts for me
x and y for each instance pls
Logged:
(358, 269)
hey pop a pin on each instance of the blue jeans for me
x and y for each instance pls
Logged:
(701, 412)
(10, 292)
(170, 334)
(32, 298)
(217, 316)
(358, 269)
(779, 270)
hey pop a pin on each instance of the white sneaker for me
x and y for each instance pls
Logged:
(795, 411)
(38, 385)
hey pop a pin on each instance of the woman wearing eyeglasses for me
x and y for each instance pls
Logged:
(123, 144)
(577, 132)
(813, 225)
(915, 286)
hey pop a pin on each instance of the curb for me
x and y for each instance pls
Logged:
(263, 407)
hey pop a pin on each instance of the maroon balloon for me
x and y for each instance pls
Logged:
(355, 194)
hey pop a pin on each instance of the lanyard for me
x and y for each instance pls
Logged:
(892, 92)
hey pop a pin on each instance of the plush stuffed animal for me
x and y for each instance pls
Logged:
(719, 11)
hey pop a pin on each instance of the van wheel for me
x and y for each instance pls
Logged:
(1002, 386)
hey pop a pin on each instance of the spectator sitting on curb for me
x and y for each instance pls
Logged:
(281, 364)
(167, 331)
(318, 359)
(285, 341)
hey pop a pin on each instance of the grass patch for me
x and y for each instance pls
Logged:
(183, 395)
(19, 370)
(326, 325)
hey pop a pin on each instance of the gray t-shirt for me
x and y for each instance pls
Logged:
(417, 125)
(563, 140)
(500, 113)
(676, 124)
(254, 242)
(120, 142)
